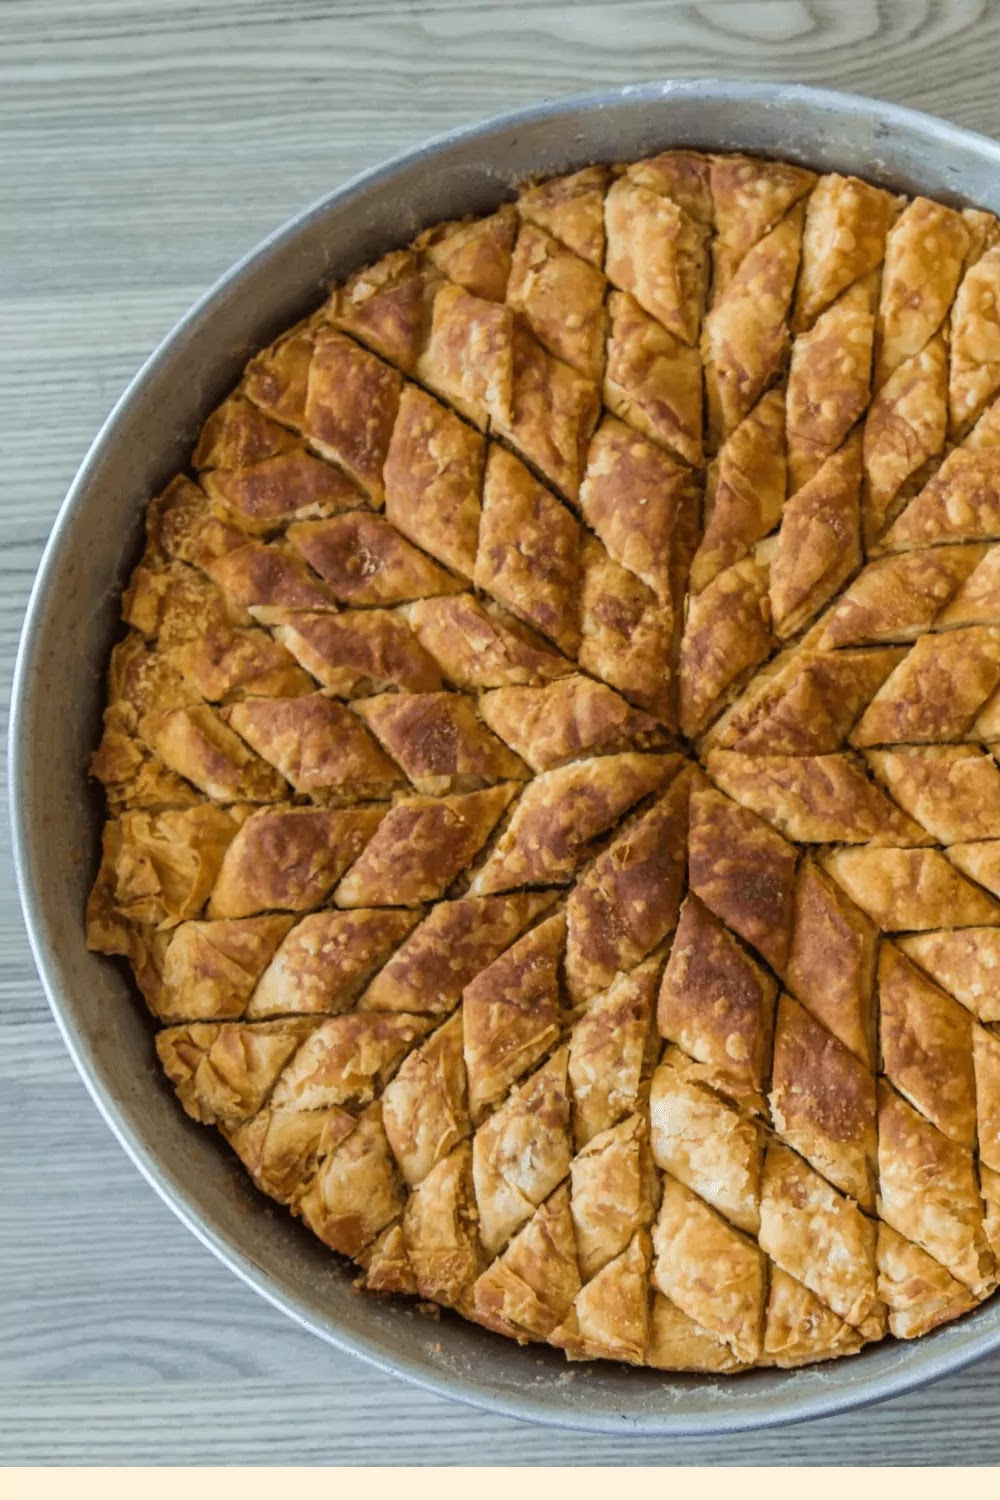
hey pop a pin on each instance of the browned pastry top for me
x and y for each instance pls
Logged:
(553, 808)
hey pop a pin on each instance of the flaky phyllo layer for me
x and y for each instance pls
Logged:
(552, 802)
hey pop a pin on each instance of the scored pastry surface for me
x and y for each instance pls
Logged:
(553, 810)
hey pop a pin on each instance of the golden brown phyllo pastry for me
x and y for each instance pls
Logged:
(553, 810)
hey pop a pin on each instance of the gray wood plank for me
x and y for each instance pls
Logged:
(142, 149)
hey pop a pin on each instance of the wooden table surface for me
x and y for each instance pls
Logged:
(143, 148)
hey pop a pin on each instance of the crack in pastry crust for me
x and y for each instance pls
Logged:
(551, 766)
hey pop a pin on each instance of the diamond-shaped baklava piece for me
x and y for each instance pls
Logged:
(717, 1004)
(267, 577)
(614, 1192)
(319, 747)
(420, 846)
(529, 1289)
(749, 197)
(560, 816)
(277, 379)
(896, 598)
(385, 306)
(823, 1102)
(977, 601)
(475, 253)
(974, 376)
(566, 719)
(652, 379)
(522, 1152)
(363, 559)
(570, 208)
(831, 961)
(290, 858)
(924, 255)
(814, 799)
(351, 403)
(627, 902)
(910, 890)
(928, 1191)
(282, 1149)
(847, 221)
(953, 790)
(510, 1014)
(359, 651)
(210, 970)
(963, 962)
(819, 543)
(438, 740)
(291, 486)
(743, 870)
(986, 1061)
(745, 339)
(196, 743)
(468, 356)
(919, 1293)
(711, 1271)
(529, 551)
(627, 635)
(158, 869)
(657, 252)
(904, 429)
(727, 635)
(478, 646)
(561, 298)
(448, 949)
(224, 1071)
(959, 503)
(829, 381)
(745, 490)
(820, 1238)
(800, 1329)
(433, 476)
(424, 1106)
(677, 1342)
(237, 434)
(632, 495)
(804, 702)
(699, 1138)
(936, 691)
(356, 1190)
(325, 961)
(609, 1318)
(439, 1231)
(346, 1061)
(611, 1049)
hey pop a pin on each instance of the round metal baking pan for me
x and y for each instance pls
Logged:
(71, 623)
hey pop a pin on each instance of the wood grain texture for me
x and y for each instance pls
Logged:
(142, 149)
